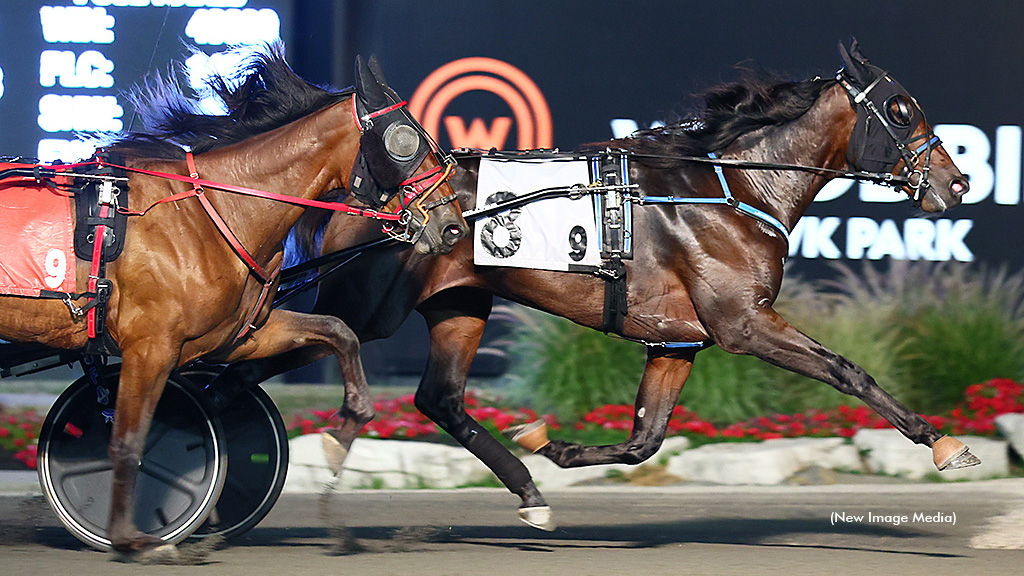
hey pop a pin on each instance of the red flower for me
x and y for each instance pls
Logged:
(27, 456)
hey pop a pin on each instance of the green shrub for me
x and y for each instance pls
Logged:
(725, 387)
(966, 328)
(568, 370)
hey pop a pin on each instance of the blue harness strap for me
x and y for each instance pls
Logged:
(700, 345)
(932, 142)
(729, 199)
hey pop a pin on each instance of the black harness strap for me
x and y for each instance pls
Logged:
(88, 210)
(615, 305)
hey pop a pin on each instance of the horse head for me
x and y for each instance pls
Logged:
(892, 135)
(401, 168)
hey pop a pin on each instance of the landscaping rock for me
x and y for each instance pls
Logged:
(548, 475)
(403, 464)
(889, 452)
(1011, 426)
(383, 464)
(763, 463)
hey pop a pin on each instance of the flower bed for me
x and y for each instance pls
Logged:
(398, 418)
(18, 434)
(976, 414)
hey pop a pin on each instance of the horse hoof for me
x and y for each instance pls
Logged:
(950, 454)
(533, 435)
(334, 451)
(163, 554)
(538, 517)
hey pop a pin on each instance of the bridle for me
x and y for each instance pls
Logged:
(406, 144)
(886, 104)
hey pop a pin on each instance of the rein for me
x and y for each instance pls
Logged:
(199, 184)
(876, 177)
(578, 190)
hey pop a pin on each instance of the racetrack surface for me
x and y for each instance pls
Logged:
(791, 530)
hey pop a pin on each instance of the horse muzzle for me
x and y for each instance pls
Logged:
(439, 239)
(938, 198)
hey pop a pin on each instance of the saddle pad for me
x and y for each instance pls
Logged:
(549, 234)
(36, 251)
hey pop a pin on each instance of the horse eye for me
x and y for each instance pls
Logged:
(401, 141)
(898, 110)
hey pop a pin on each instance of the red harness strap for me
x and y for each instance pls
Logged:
(222, 226)
(200, 183)
(361, 120)
(261, 274)
(94, 269)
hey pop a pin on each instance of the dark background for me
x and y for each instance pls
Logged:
(601, 59)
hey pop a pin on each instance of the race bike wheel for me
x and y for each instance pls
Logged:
(257, 445)
(181, 475)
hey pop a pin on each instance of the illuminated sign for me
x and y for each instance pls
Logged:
(529, 110)
(67, 64)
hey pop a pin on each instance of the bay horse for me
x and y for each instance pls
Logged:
(180, 291)
(699, 273)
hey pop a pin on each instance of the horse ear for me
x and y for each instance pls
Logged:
(853, 60)
(855, 51)
(375, 69)
(370, 91)
(374, 65)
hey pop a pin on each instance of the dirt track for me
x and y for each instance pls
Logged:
(679, 530)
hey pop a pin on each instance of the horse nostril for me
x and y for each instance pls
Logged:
(959, 186)
(453, 233)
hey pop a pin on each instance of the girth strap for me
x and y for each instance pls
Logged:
(616, 306)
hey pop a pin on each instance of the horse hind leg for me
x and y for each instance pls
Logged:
(664, 375)
(768, 336)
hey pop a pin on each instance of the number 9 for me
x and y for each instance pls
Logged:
(56, 267)
(577, 243)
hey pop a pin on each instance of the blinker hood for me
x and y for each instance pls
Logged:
(390, 148)
(872, 148)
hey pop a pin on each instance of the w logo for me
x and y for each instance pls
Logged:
(529, 114)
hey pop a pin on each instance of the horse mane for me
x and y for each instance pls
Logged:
(264, 95)
(730, 110)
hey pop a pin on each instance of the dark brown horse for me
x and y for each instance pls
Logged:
(699, 273)
(180, 292)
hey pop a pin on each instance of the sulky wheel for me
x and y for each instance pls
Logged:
(180, 477)
(257, 444)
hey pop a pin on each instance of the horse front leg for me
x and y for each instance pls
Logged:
(145, 368)
(760, 331)
(664, 375)
(304, 338)
(454, 339)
